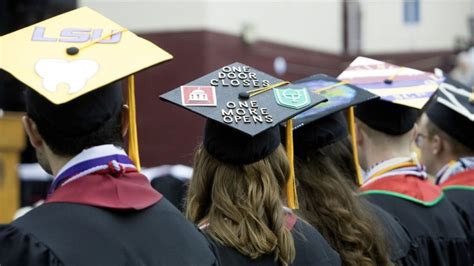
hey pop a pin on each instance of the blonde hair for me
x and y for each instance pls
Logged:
(242, 204)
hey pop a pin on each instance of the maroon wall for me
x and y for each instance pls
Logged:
(168, 134)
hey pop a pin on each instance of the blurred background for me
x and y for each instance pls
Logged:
(289, 39)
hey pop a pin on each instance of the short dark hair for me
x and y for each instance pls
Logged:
(109, 133)
(458, 148)
(90, 120)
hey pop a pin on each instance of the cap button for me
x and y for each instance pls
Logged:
(72, 51)
(244, 95)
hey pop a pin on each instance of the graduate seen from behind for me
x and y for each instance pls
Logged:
(446, 143)
(395, 180)
(241, 172)
(362, 233)
(100, 210)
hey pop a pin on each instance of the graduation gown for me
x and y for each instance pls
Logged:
(402, 248)
(173, 189)
(171, 181)
(310, 246)
(104, 219)
(459, 189)
(426, 213)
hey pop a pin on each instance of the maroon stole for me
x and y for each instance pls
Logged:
(128, 191)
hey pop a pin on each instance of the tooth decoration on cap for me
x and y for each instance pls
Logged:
(74, 73)
(70, 55)
(118, 51)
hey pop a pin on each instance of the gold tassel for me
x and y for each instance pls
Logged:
(351, 121)
(132, 134)
(291, 185)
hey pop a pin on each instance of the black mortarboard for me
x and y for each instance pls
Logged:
(324, 124)
(452, 110)
(320, 133)
(387, 117)
(243, 107)
(221, 97)
(402, 91)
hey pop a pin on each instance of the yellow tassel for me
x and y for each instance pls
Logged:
(132, 134)
(267, 88)
(291, 185)
(102, 38)
(351, 121)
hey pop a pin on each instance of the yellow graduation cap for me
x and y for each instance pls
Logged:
(78, 52)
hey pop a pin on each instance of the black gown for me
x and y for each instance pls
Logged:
(103, 219)
(173, 189)
(402, 249)
(436, 227)
(459, 189)
(310, 246)
(171, 181)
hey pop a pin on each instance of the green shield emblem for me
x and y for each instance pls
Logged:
(292, 98)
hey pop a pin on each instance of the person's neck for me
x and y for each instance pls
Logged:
(57, 162)
(377, 155)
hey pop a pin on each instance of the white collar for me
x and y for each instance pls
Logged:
(417, 171)
(453, 168)
(91, 153)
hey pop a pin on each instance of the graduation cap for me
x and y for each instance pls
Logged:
(325, 123)
(69, 56)
(243, 107)
(340, 94)
(452, 110)
(402, 90)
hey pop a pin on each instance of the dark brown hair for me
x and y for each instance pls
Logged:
(326, 182)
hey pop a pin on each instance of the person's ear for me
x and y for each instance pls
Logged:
(437, 145)
(414, 133)
(31, 129)
(125, 119)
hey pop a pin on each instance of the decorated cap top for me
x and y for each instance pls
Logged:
(395, 84)
(75, 53)
(243, 107)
